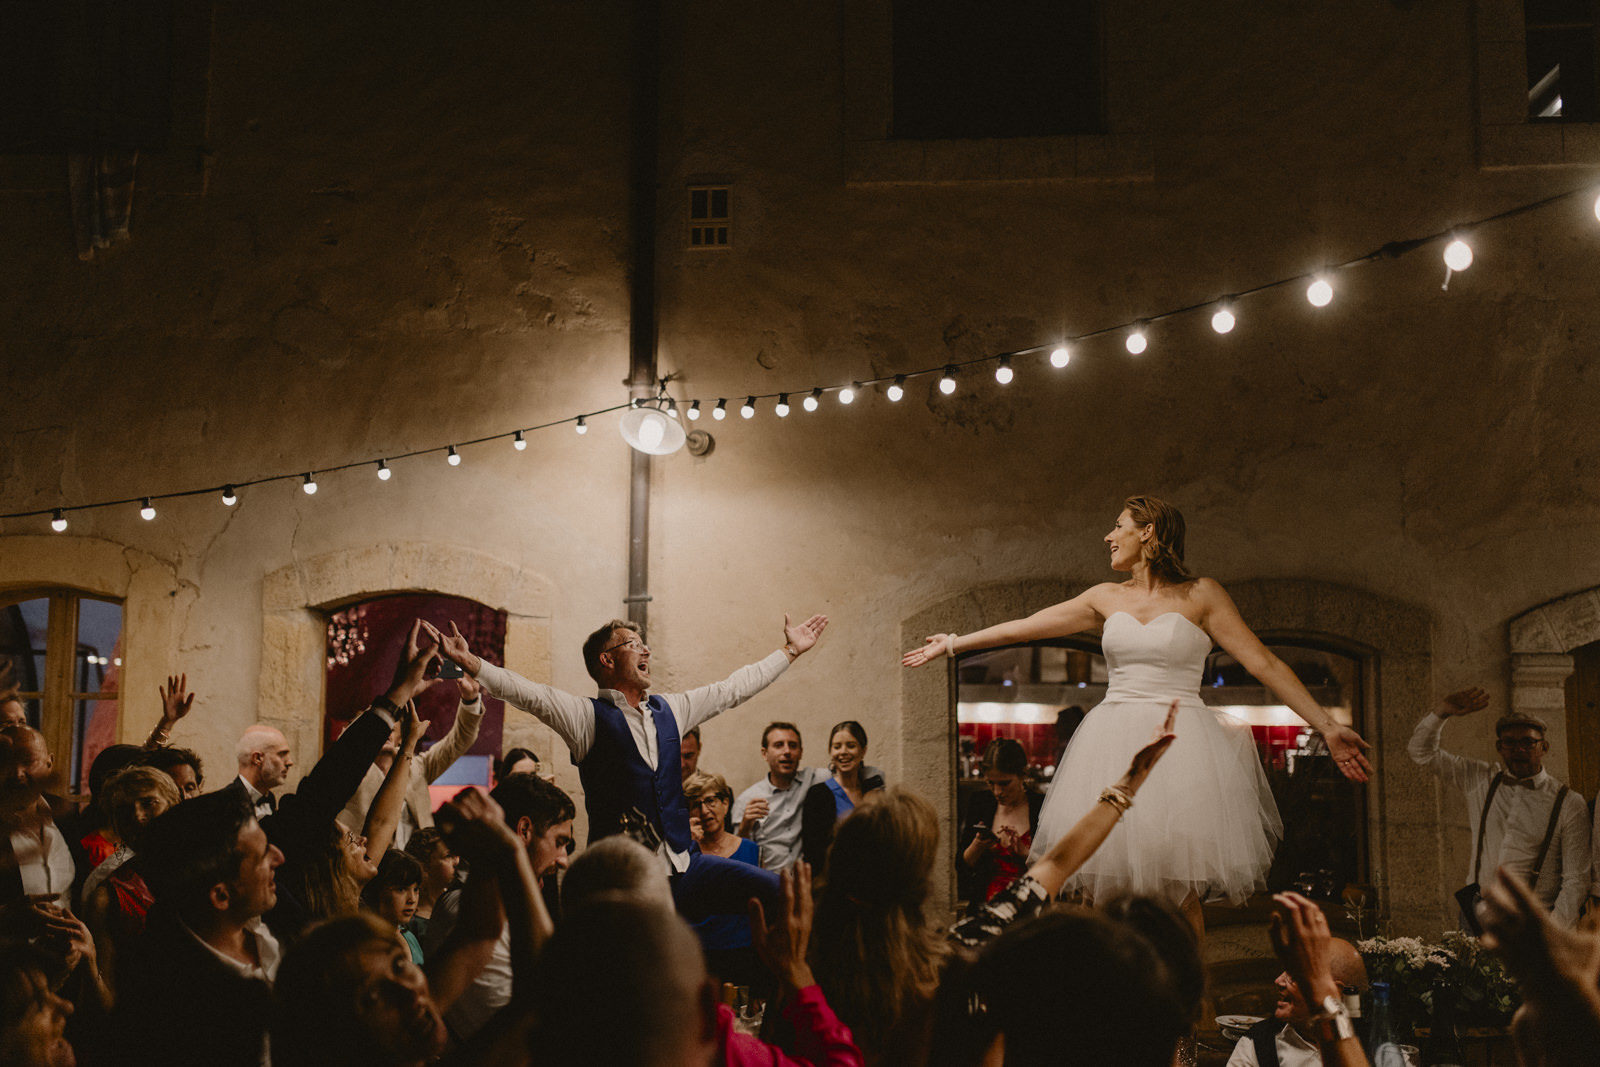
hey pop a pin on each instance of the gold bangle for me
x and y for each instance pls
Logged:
(1117, 798)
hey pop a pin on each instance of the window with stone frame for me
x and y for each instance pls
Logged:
(64, 647)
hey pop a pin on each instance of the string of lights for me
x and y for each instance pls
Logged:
(656, 437)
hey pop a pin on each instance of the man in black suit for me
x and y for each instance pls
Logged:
(264, 765)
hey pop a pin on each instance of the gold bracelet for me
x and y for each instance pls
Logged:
(1117, 798)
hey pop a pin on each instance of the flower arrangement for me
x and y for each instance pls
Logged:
(1486, 994)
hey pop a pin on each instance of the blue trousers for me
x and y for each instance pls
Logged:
(716, 886)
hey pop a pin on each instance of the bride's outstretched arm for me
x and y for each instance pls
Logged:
(1228, 629)
(1058, 620)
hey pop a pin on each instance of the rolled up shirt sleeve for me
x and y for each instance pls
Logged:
(571, 717)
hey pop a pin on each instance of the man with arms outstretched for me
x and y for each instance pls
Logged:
(625, 742)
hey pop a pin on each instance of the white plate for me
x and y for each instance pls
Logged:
(1237, 1022)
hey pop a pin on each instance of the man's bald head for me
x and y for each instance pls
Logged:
(264, 759)
(1348, 970)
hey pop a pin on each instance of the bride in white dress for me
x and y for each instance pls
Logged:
(1204, 828)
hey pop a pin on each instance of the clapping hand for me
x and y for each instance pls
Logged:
(782, 946)
(1464, 702)
(934, 646)
(803, 636)
(175, 700)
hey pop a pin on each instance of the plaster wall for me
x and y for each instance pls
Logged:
(414, 232)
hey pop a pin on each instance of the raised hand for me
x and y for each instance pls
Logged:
(1464, 702)
(803, 636)
(473, 824)
(1348, 751)
(411, 730)
(1300, 936)
(411, 674)
(175, 701)
(934, 647)
(1146, 757)
(453, 647)
(468, 687)
(782, 946)
(754, 812)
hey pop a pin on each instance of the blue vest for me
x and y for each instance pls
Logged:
(616, 779)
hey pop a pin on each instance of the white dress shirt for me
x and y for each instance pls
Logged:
(43, 863)
(572, 717)
(1517, 821)
(1293, 1051)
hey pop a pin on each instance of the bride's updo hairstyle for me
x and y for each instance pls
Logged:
(1164, 550)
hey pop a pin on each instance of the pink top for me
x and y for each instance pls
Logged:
(821, 1040)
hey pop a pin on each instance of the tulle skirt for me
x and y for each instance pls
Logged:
(1203, 822)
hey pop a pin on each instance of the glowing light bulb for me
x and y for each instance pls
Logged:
(518, 443)
(847, 395)
(720, 412)
(1061, 357)
(453, 457)
(1458, 255)
(58, 521)
(748, 408)
(383, 470)
(897, 388)
(1136, 342)
(309, 485)
(147, 511)
(812, 399)
(582, 427)
(1003, 373)
(1223, 321)
(947, 383)
(1597, 208)
(694, 411)
(783, 405)
(1319, 292)
(229, 497)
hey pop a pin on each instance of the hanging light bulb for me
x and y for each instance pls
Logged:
(720, 412)
(652, 430)
(1319, 292)
(947, 383)
(229, 497)
(748, 408)
(847, 395)
(147, 511)
(783, 405)
(1003, 373)
(812, 399)
(694, 411)
(582, 427)
(309, 484)
(453, 457)
(1597, 208)
(58, 521)
(1223, 321)
(1136, 341)
(518, 443)
(1061, 356)
(1458, 255)
(897, 388)
(383, 470)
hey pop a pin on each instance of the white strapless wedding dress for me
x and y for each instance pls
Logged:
(1204, 820)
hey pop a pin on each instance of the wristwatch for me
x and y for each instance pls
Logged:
(387, 705)
(1333, 1021)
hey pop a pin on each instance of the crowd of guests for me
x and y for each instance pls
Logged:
(348, 922)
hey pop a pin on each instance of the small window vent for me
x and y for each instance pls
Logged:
(710, 217)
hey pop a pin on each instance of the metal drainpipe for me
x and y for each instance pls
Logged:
(644, 166)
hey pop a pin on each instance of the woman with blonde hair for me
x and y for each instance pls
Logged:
(1210, 826)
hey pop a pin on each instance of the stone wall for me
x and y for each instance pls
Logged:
(413, 232)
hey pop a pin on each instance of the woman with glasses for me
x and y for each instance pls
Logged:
(725, 938)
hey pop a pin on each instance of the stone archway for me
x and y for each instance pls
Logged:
(1394, 638)
(295, 597)
(1541, 642)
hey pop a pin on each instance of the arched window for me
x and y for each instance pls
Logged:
(1038, 693)
(65, 651)
(363, 648)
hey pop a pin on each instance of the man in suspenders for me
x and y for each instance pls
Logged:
(626, 743)
(1520, 817)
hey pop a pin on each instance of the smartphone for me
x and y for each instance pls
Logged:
(449, 669)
